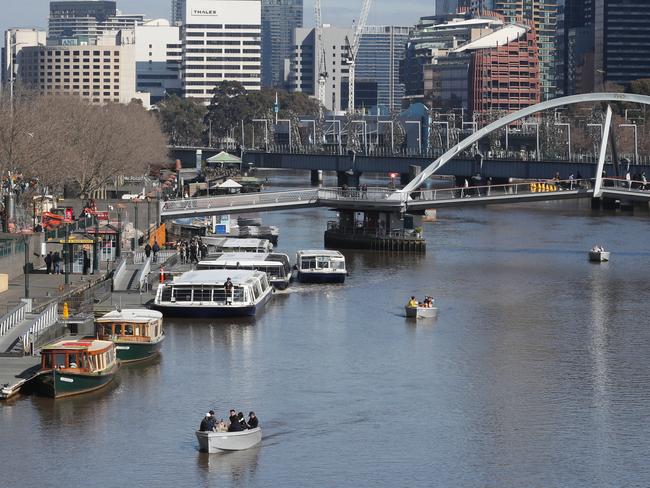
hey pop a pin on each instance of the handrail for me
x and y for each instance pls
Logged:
(14, 317)
(144, 275)
(44, 320)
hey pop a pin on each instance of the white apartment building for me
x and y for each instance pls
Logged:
(221, 41)
(99, 73)
(14, 41)
(158, 59)
(304, 73)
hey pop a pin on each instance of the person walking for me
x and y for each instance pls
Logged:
(155, 250)
(147, 250)
(48, 263)
(56, 261)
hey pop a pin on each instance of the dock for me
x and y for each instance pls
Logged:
(15, 372)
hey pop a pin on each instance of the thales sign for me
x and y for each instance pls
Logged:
(205, 12)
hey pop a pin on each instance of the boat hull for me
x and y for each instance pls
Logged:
(129, 352)
(321, 277)
(57, 384)
(213, 442)
(209, 311)
(598, 256)
(420, 312)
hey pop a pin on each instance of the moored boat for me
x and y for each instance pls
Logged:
(75, 366)
(213, 442)
(204, 293)
(598, 256)
(137, 333)
(275, 265)
(320, 266)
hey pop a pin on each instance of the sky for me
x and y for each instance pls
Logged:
(33, 13)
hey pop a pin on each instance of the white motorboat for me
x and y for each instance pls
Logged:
(598, 256)
(320, 266)
(420, 312)
(213, 442)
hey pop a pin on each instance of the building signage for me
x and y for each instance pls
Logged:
(204, 12)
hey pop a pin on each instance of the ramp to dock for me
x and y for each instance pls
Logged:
(15, 372)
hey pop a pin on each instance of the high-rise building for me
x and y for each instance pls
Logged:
(444, 7)
(83, 21)
(304, 73)
(621, 41)
(99, 73)
(221, 40)
(280, 18)
(177, 11)
(543, 14)
(380, 51)
(575, 47)
(15, 41)
(158, 54)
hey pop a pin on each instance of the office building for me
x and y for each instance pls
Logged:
(177, 11)
(221, 40)
(99, 73)
(444, 7)
(575, 48)
(304, 74)
(280, 18)
(14, 42)
(81, 22)
(543, 14)
(158, 59)
(380, 51)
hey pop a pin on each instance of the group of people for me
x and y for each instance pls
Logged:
(426, 303)
(191, 251)
(598, 248)
(148, 249)
(53, 263)
(237, 422)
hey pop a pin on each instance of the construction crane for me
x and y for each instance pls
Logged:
(353, 49)
(319, 56)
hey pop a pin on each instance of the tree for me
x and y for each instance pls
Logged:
(182, 120)
(640, 86)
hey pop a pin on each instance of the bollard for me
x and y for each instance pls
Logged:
(162, 274)
(66, 312)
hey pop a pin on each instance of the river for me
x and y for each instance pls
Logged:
(534, 374)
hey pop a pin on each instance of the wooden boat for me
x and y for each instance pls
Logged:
(421, 312)
(598, 256)
(275, 265)
(320, 266)
(202, 294)
(137, 333)
(213, 442)
(74, 366)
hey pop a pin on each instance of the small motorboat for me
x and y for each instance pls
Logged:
(598, 255)
(213, 442)
(420, 312)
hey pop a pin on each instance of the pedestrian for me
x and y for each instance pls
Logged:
(48, 263)
(571, 181)
(628, 179)
(147, 250)
(465, 190)
(228, 289)
(155, 250)
(643, 180)
(56, 261)
(364, 191)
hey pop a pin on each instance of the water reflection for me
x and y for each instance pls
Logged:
(237, 468)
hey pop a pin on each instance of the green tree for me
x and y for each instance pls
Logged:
(182, 120)
(640, 86)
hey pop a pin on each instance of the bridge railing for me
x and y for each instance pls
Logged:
(371, 194)
(510, 189)
(246, 199)
(622, 183)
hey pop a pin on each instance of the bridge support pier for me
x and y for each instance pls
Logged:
(350, 179)
(376, 230)
(316, 177)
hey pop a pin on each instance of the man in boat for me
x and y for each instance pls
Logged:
(204, 427)
(212, 421)
(252, 421)
(413, 303)
(228, 286)
(234, 426)
(242, 421)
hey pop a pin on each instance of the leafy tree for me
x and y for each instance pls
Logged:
(640, 86)
(182, 120)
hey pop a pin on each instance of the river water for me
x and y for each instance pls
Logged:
(534, 374)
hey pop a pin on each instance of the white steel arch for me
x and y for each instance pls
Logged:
(520, 114)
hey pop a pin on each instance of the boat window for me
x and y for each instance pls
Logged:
(308, 263)
(238, 294)
(128, 329)
(59, 360)
(256, 291)
(72, 360)
(166, 294)
(338, 264)
(203, 294)
(118, 330)
(137, 330)
(265, 283)
(219, 295)
(183, 294)
(47, 361)
(108, 329)
(323, 263)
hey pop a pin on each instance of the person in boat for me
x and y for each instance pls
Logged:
(252, 421)
(221, 426)
(228, 286)
(242, 421)
(234, 426)
(413, 303)
(204, 427)
(212, 421)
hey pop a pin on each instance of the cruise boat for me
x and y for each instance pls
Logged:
(74, 366)
(233, 244)
(320, 266)
(213, 442)
(137, 333)
(275, 265)
(202, 293)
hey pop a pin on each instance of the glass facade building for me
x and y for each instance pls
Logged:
(280, 18)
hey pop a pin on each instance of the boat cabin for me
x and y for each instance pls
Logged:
(232, 244)
(275, 265)
(78, 355)
(132, 325)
